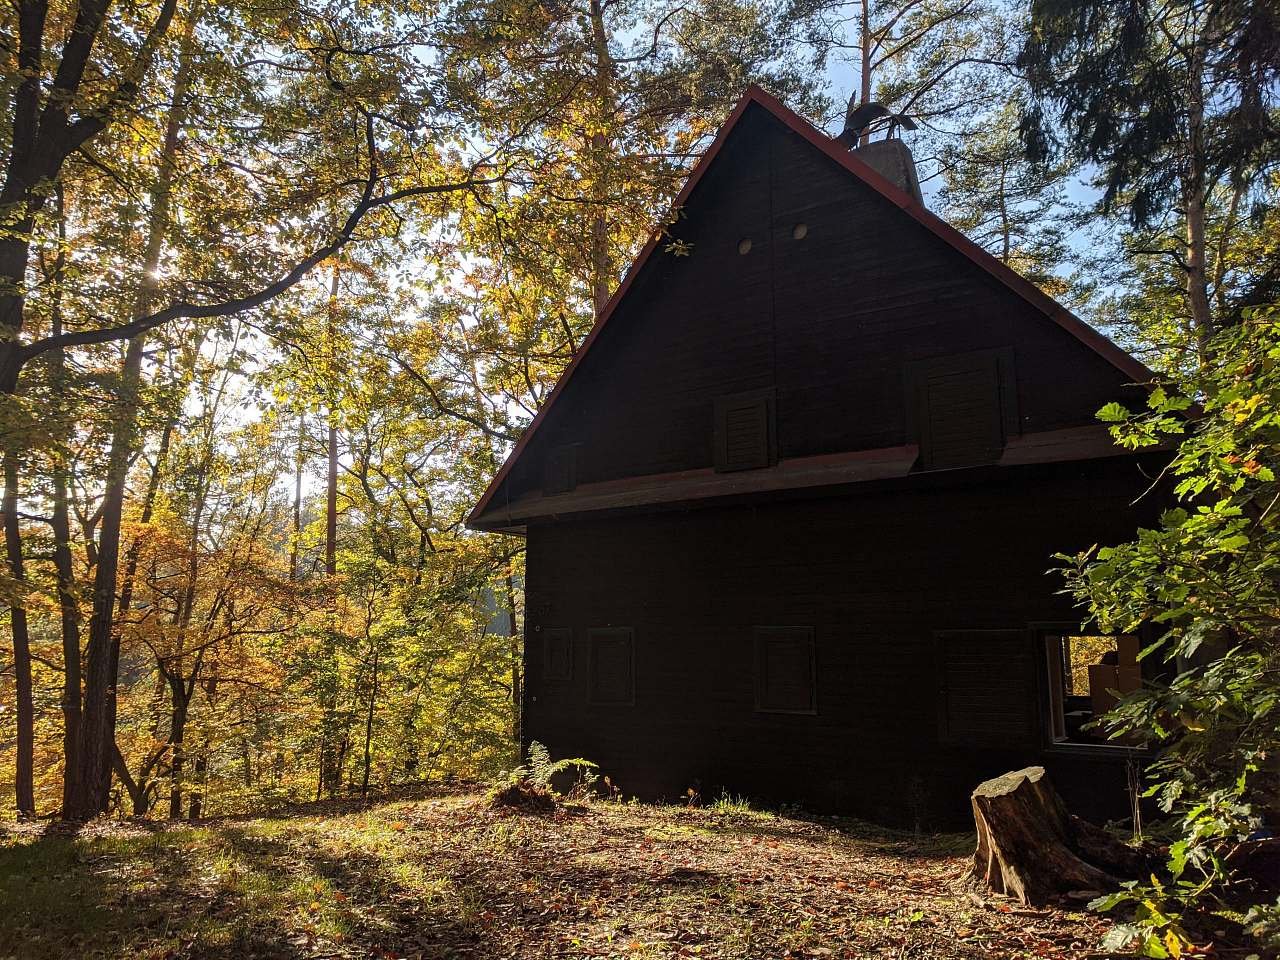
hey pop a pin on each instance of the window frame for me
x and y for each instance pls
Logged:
(1027, 735)
(916, 372)
(1039, 633)
(760, 635)
(547, 633)
(766, 399)
(594, 634)
(560, 463)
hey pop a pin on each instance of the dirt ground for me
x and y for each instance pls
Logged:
(446, 875)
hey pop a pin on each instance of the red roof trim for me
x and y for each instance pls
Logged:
(1059, 314)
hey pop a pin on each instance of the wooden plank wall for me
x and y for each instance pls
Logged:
(875, 573)
(831, 320)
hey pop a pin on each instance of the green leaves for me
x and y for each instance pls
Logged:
(1209, 577)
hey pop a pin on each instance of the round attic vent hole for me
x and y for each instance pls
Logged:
(800, 231)
(744, 245)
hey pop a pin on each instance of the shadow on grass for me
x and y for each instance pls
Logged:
(278, 891)
(61, 895)
(213, 896)
(851, 833)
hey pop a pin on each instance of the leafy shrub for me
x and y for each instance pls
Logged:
(531, 785)
(1208, 579)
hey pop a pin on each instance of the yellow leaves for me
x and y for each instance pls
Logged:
(1242, 409)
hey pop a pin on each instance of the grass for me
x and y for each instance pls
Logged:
(449, 876)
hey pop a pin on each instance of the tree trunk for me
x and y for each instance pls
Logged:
(368, 726)
(201, 771)
(96, 734)
(103, 654)
(24, 789)
(1031, 849)
(177, 738)
(867, 45)
(297, 503)
(64, 568)
(70, 614)
(136, 789)
(331, 503)
(330, 761)
(517, 665)
(601, 261)
(1193, 202)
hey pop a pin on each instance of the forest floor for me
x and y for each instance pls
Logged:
(446, 875)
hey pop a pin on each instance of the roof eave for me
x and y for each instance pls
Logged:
(1064, 318)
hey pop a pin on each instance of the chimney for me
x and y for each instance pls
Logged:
(889, 157)
(892, 159)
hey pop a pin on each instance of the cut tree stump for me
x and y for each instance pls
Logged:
(1032, 849)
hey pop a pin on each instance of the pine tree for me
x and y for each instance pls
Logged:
(1173, 102)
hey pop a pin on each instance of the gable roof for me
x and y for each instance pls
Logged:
(1130, 366)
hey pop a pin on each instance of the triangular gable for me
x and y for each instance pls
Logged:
(1130, 367)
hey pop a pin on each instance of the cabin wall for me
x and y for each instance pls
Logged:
(831, 321)
(875, 573)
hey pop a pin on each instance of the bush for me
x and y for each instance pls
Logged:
(531, 786)
(1208, 578)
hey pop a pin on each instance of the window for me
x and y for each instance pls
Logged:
(785, 670)
(962, 407)
(612, 666)
(986, 688)
(1082, 673)
(744, 431)
(557, 654)
(560, 474)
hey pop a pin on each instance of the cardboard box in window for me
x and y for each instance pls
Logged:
(1103, 678)
(1127, 651)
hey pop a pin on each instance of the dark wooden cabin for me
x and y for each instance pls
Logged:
(790, 510)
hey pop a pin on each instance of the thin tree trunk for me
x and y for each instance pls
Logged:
(1006, 241)
(148, 507)
(24, 789)
(1193, 199)
(867, 46)
(297, 504)
(368, 726)
(201, 772)
(601, 261)
(177, 742)
(60, 522)
(331, 504)
(330, 759)
(103, 654)
(517, 685)
(136, 789)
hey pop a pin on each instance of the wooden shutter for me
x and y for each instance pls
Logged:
(557, 654)
(986, 687)
(612, 666)
(786, 670)
(560, 473)
(744, 431)
(962, 408)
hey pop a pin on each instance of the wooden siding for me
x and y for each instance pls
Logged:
(875, 575)
(830, 321)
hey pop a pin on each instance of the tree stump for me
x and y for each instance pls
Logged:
(1031, 849)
